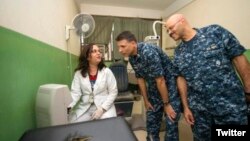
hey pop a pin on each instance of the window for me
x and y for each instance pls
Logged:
(106, 51)
(107, 28)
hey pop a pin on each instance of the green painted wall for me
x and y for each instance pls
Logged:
(25, 64)
(247, 53)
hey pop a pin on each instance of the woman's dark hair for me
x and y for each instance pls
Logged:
(126, 35)
(83, 63)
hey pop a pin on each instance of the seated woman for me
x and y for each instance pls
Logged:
(93, 89)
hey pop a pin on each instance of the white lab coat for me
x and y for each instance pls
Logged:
(105, 92)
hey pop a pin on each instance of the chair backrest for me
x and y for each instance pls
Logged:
(119, 70)
(124, 100)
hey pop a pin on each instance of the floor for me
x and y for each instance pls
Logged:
(185, 133)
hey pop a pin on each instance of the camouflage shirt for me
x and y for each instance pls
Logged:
(206, 63)
(151, 62)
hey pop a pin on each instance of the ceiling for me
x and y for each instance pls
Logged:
(142, 4)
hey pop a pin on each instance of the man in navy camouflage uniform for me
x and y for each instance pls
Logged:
(210, 89)
(157, 83)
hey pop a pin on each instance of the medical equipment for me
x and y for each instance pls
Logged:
(154, 39)
(52, 101)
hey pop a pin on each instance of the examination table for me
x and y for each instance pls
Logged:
(112, 129)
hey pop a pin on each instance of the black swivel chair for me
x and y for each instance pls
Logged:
(125, 99)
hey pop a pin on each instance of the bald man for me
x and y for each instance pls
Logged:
(211, 92)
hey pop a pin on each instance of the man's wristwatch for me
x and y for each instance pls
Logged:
(166, 103)
(248, 94)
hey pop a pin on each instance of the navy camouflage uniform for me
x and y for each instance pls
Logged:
(248, 112)
(215, 93)
(149, 63)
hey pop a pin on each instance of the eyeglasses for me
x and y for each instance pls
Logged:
(95, 51)
(170, 28)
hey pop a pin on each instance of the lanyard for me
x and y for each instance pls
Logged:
(92, 79)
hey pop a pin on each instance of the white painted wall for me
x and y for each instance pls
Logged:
(43, 20)
(178, 4)
(120, 11)
(231, 14)
(133, 12)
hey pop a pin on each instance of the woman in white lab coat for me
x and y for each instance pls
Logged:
(93, 89)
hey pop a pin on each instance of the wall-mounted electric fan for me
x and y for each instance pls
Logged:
(84, 24)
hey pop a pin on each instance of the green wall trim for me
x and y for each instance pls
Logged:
(26, 64)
